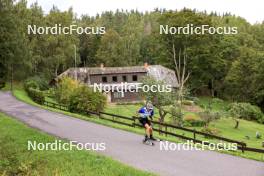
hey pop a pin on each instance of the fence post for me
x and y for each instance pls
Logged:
(134, 122)
(166, 129)
(160, 126)
(243, 148)
(194, 137)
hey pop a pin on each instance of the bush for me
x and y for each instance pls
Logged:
(209, 116)
(187, 102)
(195, 100)
(176, 114)
(246, 111)
(65, 89)
(193, 120)
(217, 101)
(210, 130)
(30, 84)
(36, 95)
(84, 99)
(36, 82)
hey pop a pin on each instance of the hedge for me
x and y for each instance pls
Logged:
(36, 95)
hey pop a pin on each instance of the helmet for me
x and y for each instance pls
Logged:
(149, 105)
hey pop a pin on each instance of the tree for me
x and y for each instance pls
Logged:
(58, 49)
(131, 37)
(180, 70)
(238, 76)
(13, 43)
(159, 99)
(109, 51)
(182, 76)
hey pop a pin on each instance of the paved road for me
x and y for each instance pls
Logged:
(128, 148)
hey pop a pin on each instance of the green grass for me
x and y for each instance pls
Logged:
(216, 106)
(15, 159)
(246, 128)
(225, 125)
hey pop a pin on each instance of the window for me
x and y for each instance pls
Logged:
(114, 78)
(124, 78)
(134, 78)
(104, 79)
(119, 95)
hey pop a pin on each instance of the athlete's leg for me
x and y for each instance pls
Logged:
(148, 130)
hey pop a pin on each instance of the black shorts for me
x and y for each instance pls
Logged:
(144, 121)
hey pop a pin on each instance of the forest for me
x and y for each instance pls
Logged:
(226, 66)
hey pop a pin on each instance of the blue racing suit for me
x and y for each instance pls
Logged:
(144, 114)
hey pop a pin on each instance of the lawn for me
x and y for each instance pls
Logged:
(246, 128)
(215, 105)
(15, 159)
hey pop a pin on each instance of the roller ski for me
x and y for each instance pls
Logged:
(147, 141)
(154, 139)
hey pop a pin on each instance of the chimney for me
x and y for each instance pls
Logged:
(146, 65)
(102, 65)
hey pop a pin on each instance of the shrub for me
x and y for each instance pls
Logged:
(65, 89)
(85, 99)
(187, 102)
(30, 84)
(208, 116)
(210, 130)
(246, 111)
(193, 120)
(196, 100)
(217, 100)
(176, 114)
(36, 95)
(36, 82)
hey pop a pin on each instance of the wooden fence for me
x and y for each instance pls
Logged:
(164, 128)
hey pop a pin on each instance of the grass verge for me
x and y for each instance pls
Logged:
(16, 159)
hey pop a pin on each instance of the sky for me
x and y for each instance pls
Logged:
(251, 10)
